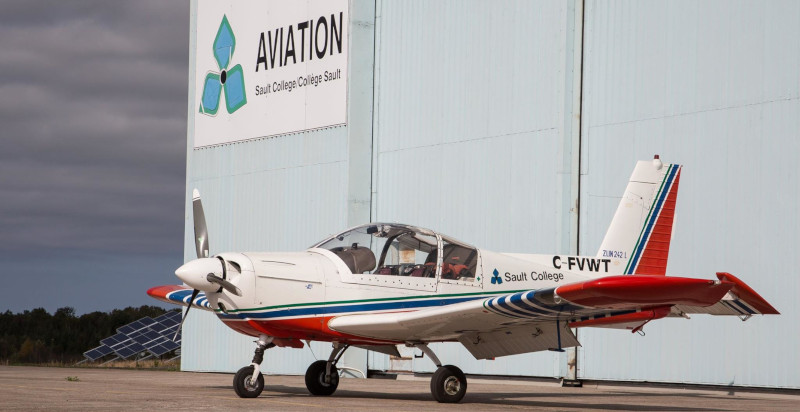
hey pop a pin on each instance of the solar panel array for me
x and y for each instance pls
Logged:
(146, 334)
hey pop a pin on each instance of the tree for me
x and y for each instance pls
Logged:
(36, 336)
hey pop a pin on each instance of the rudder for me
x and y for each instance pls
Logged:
(639, 236)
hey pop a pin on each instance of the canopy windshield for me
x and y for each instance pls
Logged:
(401, 250)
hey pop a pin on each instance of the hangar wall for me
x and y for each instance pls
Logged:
(479, 121)
(714, 86)
(468, 139)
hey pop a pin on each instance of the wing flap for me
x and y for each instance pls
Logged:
(522, 339)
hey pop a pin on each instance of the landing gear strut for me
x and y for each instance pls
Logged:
(248, 381)
(322, 377)
(448, 384)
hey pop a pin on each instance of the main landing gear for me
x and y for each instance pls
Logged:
(248, 381)
(322, 377)
(448, 384)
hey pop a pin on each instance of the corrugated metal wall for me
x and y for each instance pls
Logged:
(714, 86)
(473, 133)
(276, 194)
(468, 122)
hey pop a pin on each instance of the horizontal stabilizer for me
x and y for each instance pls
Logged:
(618, 292)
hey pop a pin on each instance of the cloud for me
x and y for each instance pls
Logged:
(93, 125)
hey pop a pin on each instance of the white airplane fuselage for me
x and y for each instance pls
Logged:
(293, 295)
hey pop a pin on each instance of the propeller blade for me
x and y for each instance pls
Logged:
(230, 287)
(200, 229)
(185, 314)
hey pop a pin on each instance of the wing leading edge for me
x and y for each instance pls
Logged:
(538, 320)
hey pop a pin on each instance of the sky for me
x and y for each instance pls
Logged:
(93, 109)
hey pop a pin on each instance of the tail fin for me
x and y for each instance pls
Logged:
(639, 236)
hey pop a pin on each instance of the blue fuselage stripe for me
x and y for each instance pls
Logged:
(323, 310)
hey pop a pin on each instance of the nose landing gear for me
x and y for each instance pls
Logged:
(248, 381)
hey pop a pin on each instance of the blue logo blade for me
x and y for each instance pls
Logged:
(212, 89)
(224, 44)
(235, 96)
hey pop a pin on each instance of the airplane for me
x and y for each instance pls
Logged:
(380, 285)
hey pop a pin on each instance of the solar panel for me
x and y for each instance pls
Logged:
(145, 334)
(159, 350)
(114, 340)
(169, 318)
(140, 338)
(171, 345)
(128, 350)
(158, 327)
(98, 352)
(170, 332)
(163, 347)
(130, 328)
(136, 325)
(174, 317)
(125, 352)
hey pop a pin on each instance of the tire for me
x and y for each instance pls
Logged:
(448, 384)
(242, 383)
(315, 379)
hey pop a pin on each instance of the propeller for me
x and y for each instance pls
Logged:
(201, 247)
(200, 229)
(180, 326)
(205, 273)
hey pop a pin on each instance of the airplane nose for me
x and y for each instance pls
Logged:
(195, 273)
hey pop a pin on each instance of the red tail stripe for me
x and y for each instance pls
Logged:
(655, 254)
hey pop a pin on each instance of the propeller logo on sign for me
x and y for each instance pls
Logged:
(231, 81)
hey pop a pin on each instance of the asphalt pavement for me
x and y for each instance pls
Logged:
(94, 389)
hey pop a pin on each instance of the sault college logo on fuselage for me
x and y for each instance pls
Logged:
(230, 80)
(496, 279)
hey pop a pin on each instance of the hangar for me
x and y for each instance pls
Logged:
(514, 126)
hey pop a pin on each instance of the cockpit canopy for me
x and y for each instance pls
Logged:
(403, 250)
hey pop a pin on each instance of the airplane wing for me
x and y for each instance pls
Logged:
(180, 295)
(538, 320)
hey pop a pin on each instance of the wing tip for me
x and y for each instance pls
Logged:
(162, 292)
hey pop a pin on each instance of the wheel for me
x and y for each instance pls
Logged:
(243, 383)
(315, 379)
(448, 384)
